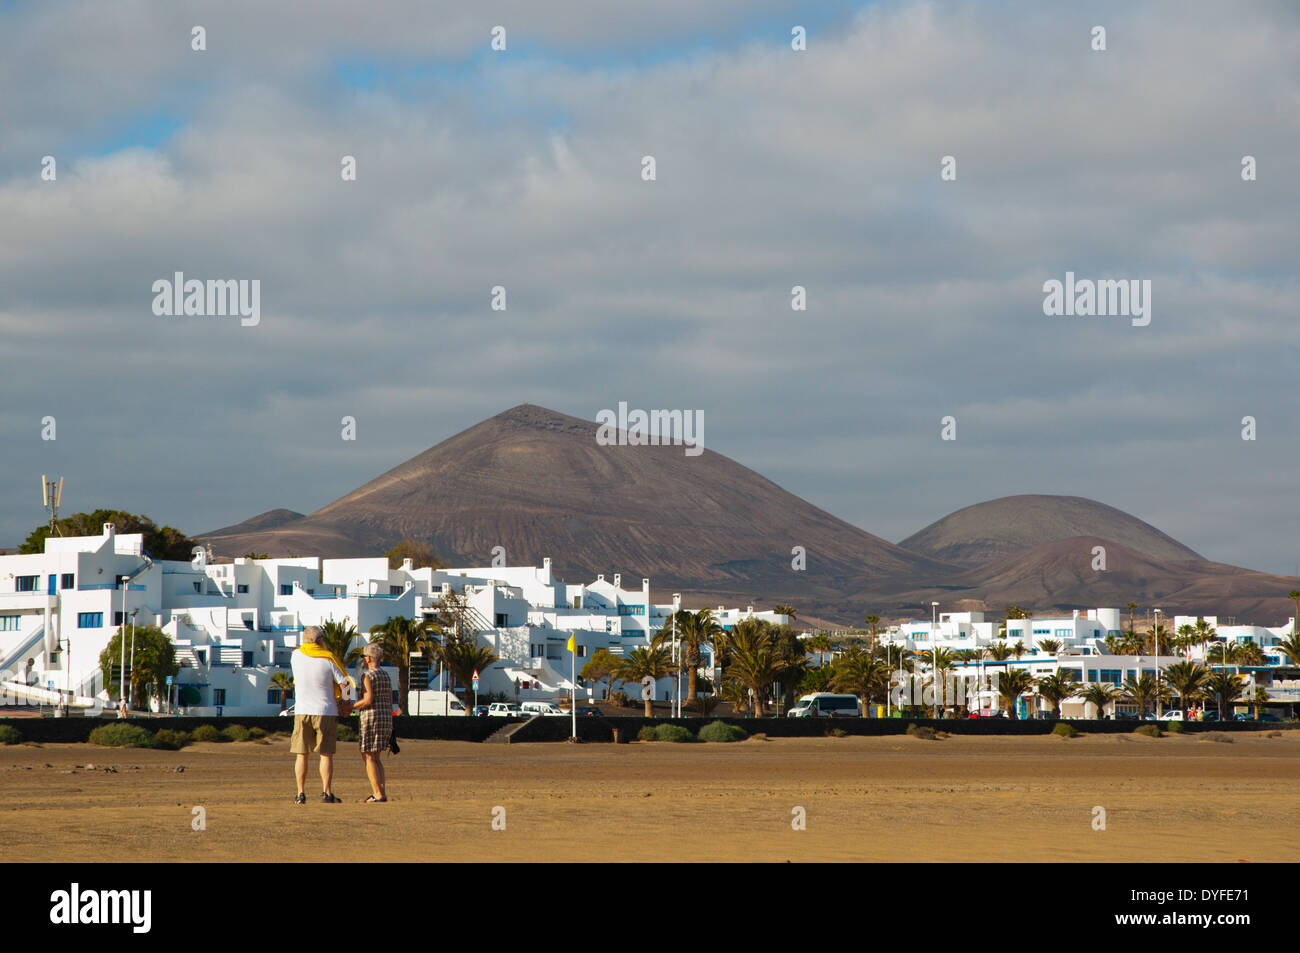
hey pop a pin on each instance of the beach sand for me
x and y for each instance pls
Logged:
(1176, 798)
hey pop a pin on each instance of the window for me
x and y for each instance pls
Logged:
(248, 659)
(286, 588)
(577, 602)
(1111, 675)
(27, 583)
(395, 590)
(536, 651)
(273, 696)
(631, 610)
(198, 587)
(582, 651)
(8, 623)
(1064, 633)
(1073, 674)
(117, 618)
(90, 620)
(69, 581)
(501, 620)
(242, 588)
(218, 696)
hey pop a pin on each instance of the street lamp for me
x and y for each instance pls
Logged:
(934, 655)
(121, 679)
(1156, 633)
(677, 607)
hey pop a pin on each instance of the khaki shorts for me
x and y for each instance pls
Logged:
(316, 734)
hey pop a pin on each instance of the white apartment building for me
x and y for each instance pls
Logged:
(236, 624)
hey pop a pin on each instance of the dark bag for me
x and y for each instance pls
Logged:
(392, 743)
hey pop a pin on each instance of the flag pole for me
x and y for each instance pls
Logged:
(573, 690)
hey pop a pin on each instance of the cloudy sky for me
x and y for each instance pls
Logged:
(775, 168)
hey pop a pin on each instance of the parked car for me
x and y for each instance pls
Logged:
(479, 711)
(287, 713)
(541, 708)
(588, 711)
(503, 710)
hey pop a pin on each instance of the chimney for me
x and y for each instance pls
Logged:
(618, 580)
(108, 529)
(407, 565)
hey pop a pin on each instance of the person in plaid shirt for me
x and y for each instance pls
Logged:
(376, 708)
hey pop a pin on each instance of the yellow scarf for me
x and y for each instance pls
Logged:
(316, 650)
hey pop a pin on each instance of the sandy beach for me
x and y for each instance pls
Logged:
(1177, 798)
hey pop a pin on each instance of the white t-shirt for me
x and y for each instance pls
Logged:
(313, 685)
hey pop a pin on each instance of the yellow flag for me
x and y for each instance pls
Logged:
(573, 645)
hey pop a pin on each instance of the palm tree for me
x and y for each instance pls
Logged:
(1227, 653)
(1049, 646)
(787, 610)
(463, 656)
(338, 637)
(1142, 691)
(1013, 683)
(695, 630)
(1186, 638)
(1019, 649)
(862, 674)
(794, 661)
(873, 621)
(1099, 694)
(1290, 647)
(821, 644)
(1205, 633)
(1056, 688)
(939, 661)
(1261, 698)
(1132, 608)
(400, 638)
(1295, 621)
(651, 661)
(1187, 679)
(998, 651)
(1223, 688)
(284, 682)
(756, 660)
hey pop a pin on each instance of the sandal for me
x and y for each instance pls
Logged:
(330, 799)
(375, 800)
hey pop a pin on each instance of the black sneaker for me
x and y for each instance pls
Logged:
(330, 799)
(300, 799)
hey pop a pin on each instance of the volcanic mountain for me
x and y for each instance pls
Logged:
(980, 534)
(537, 483)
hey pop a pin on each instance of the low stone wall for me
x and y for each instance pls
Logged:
(602, 729)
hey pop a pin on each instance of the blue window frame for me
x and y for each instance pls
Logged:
(53, 586)
(242, 588)
(90, 620)
(69, 581)
(8, 623)
(27, 583)
(286, 588)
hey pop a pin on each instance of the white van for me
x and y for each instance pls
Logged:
(540, 708)
(430, 702)
(825, 705)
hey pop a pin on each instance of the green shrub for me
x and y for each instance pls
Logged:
(1064, 730)
(1174, 727)
(1150, 731)
(9, 735)
(122, 736)
(256, 733)
(836, 732)
(1218, 736)
(171, 740)
(921, 731)
(674, 733)
(347, 733)
(647, 733)
(236, 733)
(721, 731)
(205, 733)
(619, 698)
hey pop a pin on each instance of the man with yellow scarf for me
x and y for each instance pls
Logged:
(321, 692)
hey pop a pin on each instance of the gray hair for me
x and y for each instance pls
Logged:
(311, 633)
(373, 651)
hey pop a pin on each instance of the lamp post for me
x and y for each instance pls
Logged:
(1156, 634)
(121, 634)
(934, 655)
(677, 607)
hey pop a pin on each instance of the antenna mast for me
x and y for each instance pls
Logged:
(51, 497)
